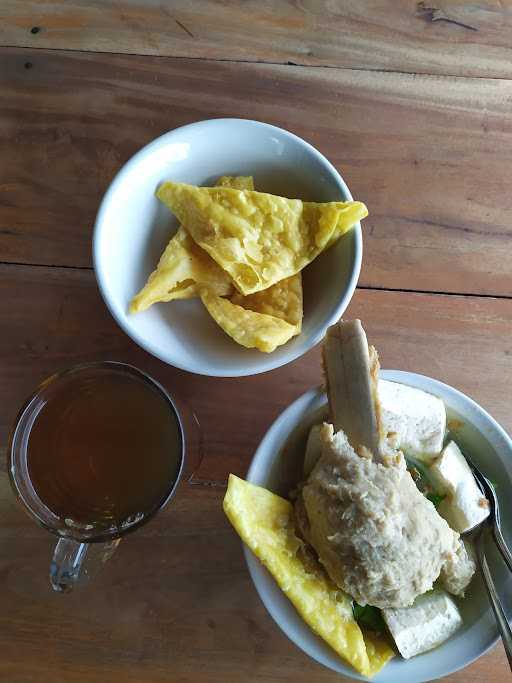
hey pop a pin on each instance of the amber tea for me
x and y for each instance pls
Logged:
(104, 449)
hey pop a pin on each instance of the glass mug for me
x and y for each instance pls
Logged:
(95, 453)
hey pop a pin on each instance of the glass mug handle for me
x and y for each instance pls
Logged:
(74, 563)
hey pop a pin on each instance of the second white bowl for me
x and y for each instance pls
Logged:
(277, 465)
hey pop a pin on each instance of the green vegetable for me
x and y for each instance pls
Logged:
(435, 498)
(422, 479)
(369, 617)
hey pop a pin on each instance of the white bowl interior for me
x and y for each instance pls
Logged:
(133, 228)
(277, 466)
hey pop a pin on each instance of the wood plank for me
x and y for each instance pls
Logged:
(431, 156)
(174, 604)
(57, 318)
(177, 600)
(452, 37)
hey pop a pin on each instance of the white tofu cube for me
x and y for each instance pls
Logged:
(464, 505)
(431, 620)
(415, 419)
(459, 569)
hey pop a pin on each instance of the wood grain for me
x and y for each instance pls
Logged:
(176, 602)
(57, 319)
(448, 37)
(431, 156)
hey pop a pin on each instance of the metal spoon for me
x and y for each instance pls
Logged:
(492, 522)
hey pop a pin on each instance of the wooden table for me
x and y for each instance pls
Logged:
(412, 101)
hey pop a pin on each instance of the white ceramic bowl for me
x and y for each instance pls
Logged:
(277, 466)
(133, 227)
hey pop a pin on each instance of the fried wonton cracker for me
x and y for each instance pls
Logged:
(184, 264)
(282, 300)
(265, 523)
(258, 238)
(248, 328)
(238, 182)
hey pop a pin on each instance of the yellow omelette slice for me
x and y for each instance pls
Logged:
(247, 328)
(183, 264)
(378, 650)
(282, 300)
(258, 238)
(265, 523)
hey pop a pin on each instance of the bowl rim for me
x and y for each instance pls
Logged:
(274, 440)
(198, 368)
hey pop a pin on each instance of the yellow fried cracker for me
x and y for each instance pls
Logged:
(180, 267)
(183, 264)
(239, 182)
(258, 238)
(282, 300)
(247, 328)
(265, 523)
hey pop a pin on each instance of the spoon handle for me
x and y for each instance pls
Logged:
(501, 619)
(501, 545)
